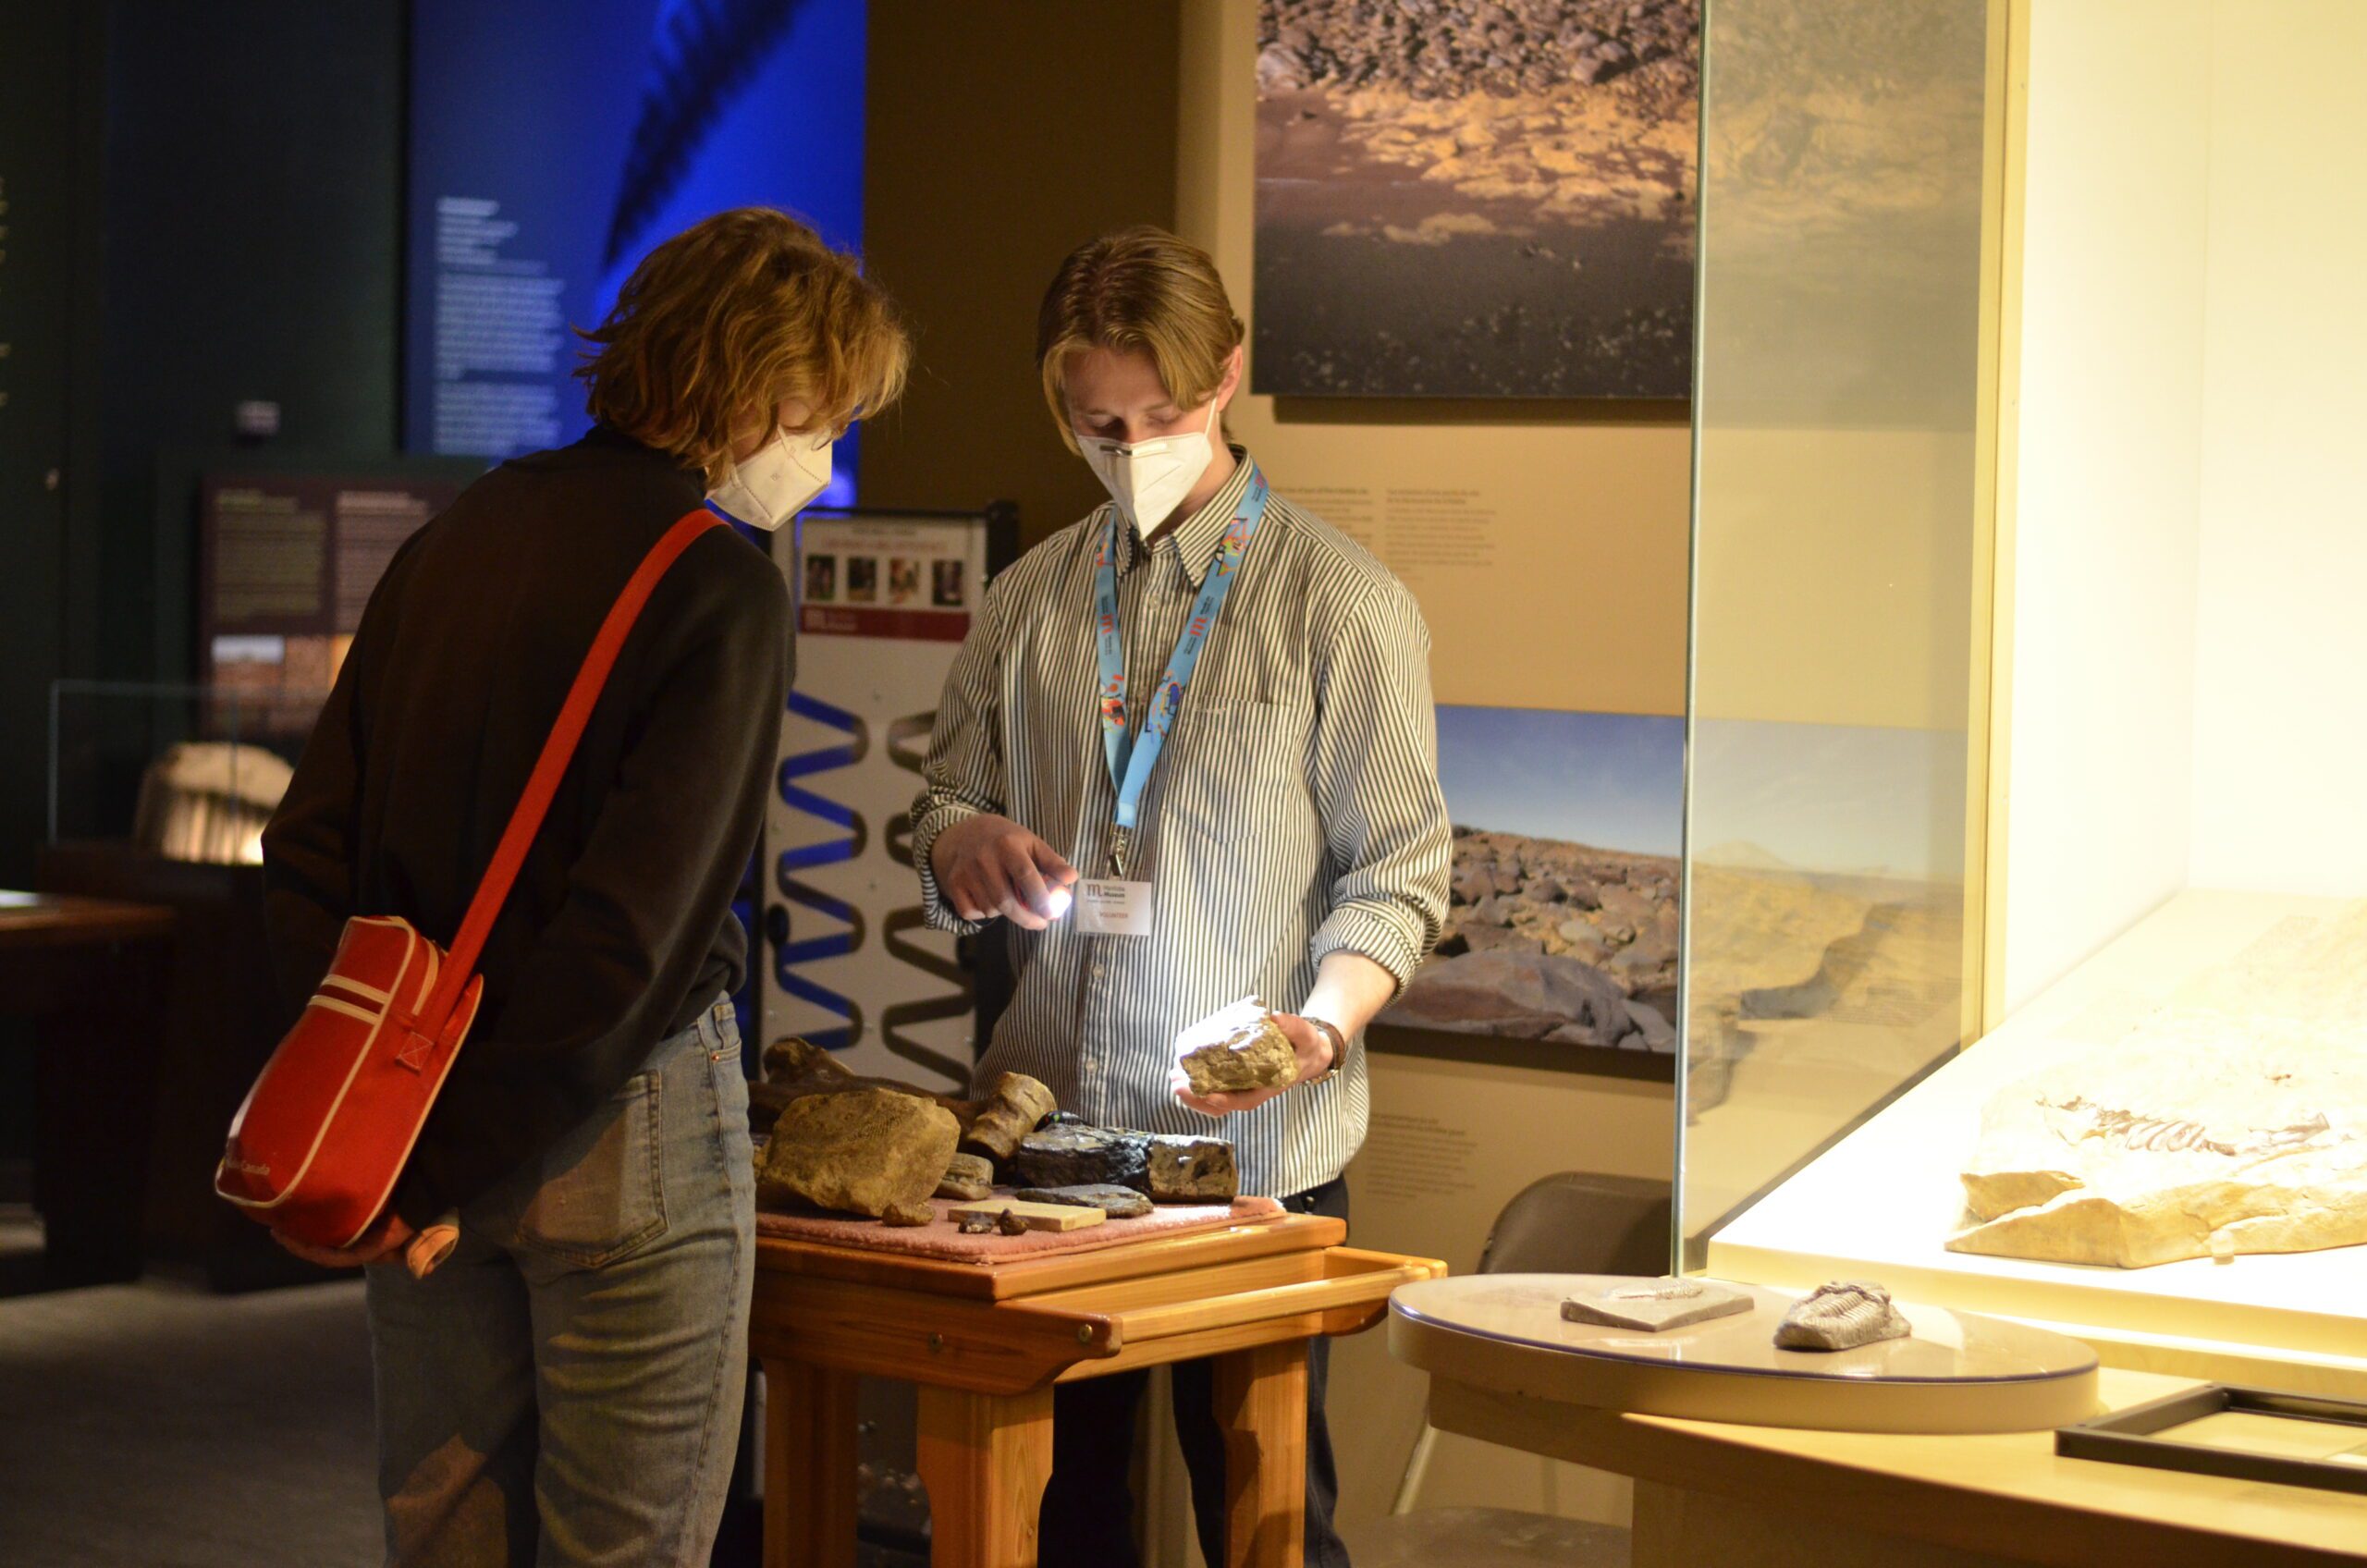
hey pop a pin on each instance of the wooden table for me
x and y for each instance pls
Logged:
(91, 973)
(1768, 1497)
(985, 1343)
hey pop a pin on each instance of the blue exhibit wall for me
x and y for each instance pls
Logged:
(553, 142)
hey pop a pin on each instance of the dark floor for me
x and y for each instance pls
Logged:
(158, 1426)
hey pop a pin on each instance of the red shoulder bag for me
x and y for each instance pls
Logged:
(315, 1151)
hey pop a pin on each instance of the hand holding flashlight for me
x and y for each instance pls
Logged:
(989, 865)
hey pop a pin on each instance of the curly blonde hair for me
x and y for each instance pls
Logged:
(1140, 289)
(735, 314)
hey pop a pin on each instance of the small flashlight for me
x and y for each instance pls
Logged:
(1061, 900)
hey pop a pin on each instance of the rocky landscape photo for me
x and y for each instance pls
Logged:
(1476, 198)
(1553, 941)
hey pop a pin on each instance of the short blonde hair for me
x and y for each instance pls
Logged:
(1139, 290)
(738, 313)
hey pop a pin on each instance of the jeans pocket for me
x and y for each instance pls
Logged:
(603, 1189)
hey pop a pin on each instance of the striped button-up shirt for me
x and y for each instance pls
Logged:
(1294, 813)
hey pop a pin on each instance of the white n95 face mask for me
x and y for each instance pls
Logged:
(1149, 479)
(778, 479)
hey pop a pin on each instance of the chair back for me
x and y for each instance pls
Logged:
(1577, 1222)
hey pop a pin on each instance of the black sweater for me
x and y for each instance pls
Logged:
(619, 931)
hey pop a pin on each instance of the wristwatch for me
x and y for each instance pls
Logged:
(1339, 1046)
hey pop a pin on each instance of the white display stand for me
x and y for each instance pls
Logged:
(884, 600)
(1882, 1202)
(1955, 1372)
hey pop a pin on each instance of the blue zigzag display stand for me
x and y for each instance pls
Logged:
(830, 852)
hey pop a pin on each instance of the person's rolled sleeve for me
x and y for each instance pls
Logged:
(1375, 771)
(965, 775)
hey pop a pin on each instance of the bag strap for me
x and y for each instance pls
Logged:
(541, 785)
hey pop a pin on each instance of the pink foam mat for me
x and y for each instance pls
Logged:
(941, 1242)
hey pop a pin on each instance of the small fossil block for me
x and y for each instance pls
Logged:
(1237, 1050)
(1118, 1202)
(1010, 1224)
(1013, 1105)
(1067, 1155)
(1168, 1168)
(906, 1216)
(1034, 1216)
(1656, 1306)
(1181, 1168)
(968, 1177)
(1841, 1315)
(975, 1224)
(862, 1151)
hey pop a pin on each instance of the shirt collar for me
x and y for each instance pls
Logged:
(1194, 540)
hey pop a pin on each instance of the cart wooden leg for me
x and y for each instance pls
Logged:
(985, 1459)
(1261, 1405)
(809, 1466)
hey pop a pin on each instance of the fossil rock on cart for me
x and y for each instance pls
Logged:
(991, 1124)
(1181, 1168)
(969, 1177)
(908, 1216)
(1118, 1202)
(977, 1224)
(860, 1151)
(1167, 1168)
(1073, 1156)
(1011, 1107)
(1237, 1049)
(1841, 1315)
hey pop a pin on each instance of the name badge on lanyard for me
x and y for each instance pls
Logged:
(1118, 905)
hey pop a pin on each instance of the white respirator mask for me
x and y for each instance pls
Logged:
(1149, 479)
(778, 480)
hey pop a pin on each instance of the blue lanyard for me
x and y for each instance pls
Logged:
(1132, 757)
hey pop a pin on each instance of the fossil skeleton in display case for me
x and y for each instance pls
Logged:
(2231, 1119)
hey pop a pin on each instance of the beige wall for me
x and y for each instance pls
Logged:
(995, 149)
(2188, 542)
(2278, 747)
(2107, 501)
(1583, 604)
(1595, 501)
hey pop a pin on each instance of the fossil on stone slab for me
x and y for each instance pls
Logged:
(967, 1176)
(1118, 1202)
(1167, 1168)
(2232, 1118)
(1654, 1305)
(1235, 1049)
(864, 1151)
(1841, 1315)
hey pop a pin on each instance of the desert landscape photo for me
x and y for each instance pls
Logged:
(1476, 198)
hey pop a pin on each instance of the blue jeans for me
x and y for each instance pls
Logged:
(566, 1388)
(1087, 1517)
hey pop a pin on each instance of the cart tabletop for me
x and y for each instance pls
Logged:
(1009, 1279)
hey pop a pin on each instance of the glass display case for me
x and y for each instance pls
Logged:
(189, 773)
(2024, 974)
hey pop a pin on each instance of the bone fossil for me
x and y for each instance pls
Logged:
(2165, 1134)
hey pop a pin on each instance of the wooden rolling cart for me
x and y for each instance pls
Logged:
(986, 1342)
